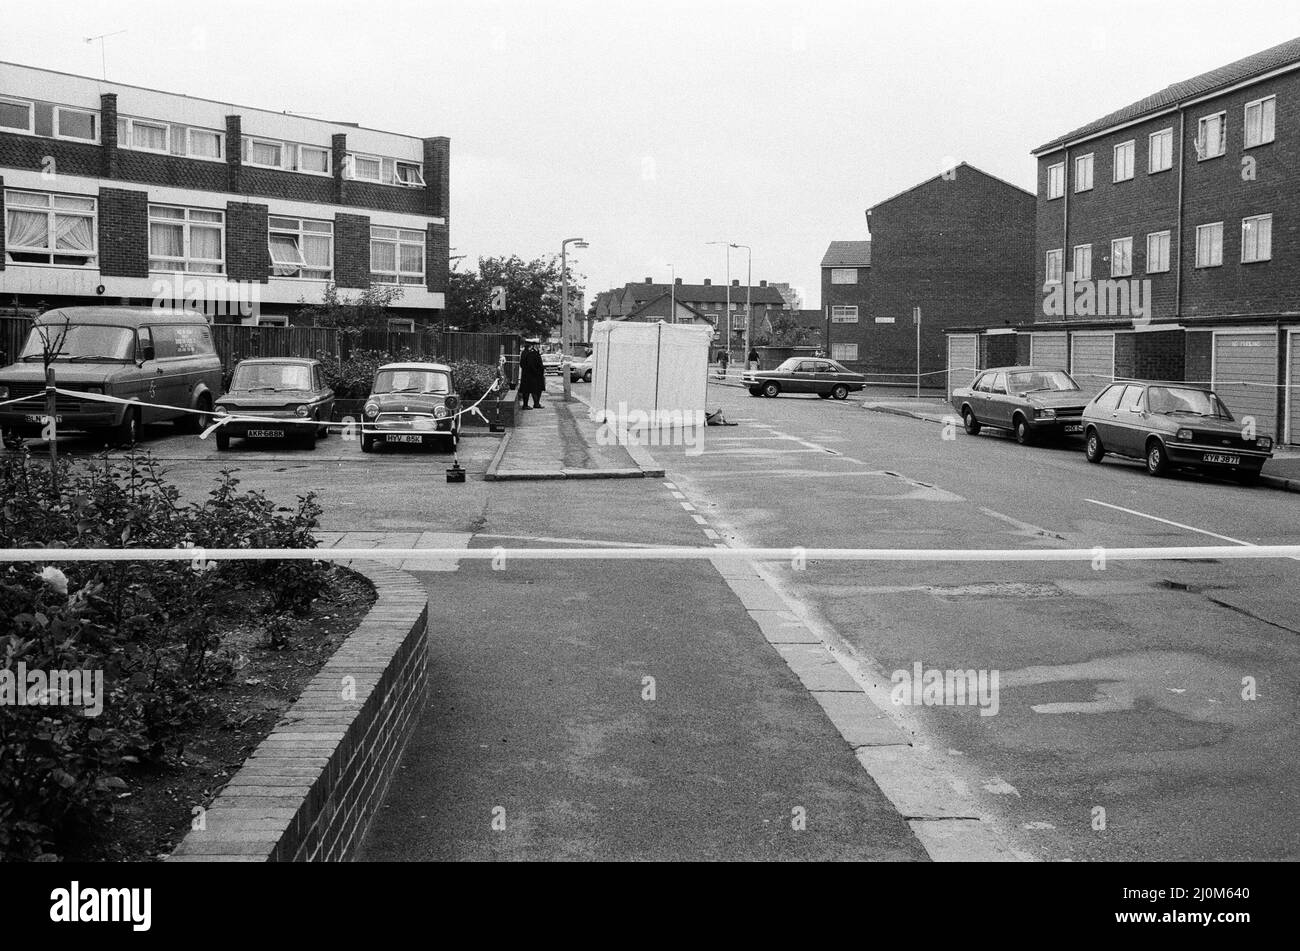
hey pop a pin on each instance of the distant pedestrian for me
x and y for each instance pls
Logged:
(723, 360)
(752, 360)
(532, 375)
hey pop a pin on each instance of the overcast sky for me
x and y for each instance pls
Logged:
(652, 128)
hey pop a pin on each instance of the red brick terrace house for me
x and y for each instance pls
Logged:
(109, 191)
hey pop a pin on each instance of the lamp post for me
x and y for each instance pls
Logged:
(727, 337)
(566, 331)
(672, 294)
(749, 290)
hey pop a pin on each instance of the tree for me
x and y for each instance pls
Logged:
(787, 331)
(532, 296)
(350, 316)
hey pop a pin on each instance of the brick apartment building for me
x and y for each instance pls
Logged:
(1193, 189)
(705, 302)
(956, 245)
(110, 191)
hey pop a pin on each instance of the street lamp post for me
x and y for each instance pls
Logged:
(749, 290)
(727, 338)
(672, 294)
(566, 330)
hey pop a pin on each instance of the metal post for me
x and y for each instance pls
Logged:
(51, 414)
(916, 318)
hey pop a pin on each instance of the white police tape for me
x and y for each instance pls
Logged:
(23, 399)
(940, 555)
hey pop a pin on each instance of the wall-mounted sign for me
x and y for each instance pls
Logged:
(884, 320)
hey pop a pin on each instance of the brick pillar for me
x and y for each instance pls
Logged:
(2, 218)
(339, 147)
(108, 135)
(352, 251)
(123, 233)
(437, 252)
(234, 154)
(247, 256)
(437, 176)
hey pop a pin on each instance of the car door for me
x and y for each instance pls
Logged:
(999, 406)
(1104, 415)
(827, 377)
(978, 395)
(802, 380)
(1131, 425)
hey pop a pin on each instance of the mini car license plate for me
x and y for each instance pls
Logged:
(1073, 428)
(266, 433)
(405, 437)
(1222, 458)
(33, 418)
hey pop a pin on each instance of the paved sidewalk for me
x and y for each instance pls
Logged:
(1280, 472)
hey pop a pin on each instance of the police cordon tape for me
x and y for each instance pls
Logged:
(1098, 557)
(220, 421)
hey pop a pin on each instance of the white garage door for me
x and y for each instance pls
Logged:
(1048, 350)
(963, 352)
(1245, 376)
(1092, 361)
(1293, 390)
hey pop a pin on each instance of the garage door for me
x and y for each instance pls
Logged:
(1245, 376)
(1293, 390)
(963, 352)
(1047, 350)
(1092, 361)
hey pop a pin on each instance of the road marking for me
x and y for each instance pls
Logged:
(699, 520)
(688, 506)
(710, 533)
(670, 485)
(678, 495)
(1190, 528)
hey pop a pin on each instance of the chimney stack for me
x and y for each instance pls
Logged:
(708, 282)
(736, 282)
(649, 280)
(762, 283)
(678, 281)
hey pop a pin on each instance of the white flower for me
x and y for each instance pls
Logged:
(55, 578)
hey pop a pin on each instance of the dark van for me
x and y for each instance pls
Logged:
(146, 355)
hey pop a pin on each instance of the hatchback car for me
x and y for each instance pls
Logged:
(414, 403)
(1173, 426)
(288, 394)
(580, 370)
(1027, 401)
(827, 378)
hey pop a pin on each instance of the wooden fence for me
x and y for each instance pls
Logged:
(15, 325)
(235, 342)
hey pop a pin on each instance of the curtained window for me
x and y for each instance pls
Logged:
(397, 256)
(42, 228)
(302, 248)
(186, 239)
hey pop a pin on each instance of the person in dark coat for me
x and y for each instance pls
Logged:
(532, 376)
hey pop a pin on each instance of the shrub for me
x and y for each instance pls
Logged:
(352, 377)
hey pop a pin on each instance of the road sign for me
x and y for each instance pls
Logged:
(498, 298)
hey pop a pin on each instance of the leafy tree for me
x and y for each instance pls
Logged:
(787, 331)
(533, 291)
(370, 310)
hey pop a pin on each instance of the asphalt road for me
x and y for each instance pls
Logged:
(1121, 731)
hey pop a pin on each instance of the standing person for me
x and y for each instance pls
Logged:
(723, 359)
(532, 375)
(752, 359)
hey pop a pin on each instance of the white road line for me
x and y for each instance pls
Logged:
(1156, 518)
(688, 506)
(699, 520)
(710, 533)
(670, 485)
(678, 495)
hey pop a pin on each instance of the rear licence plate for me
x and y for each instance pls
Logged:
(266, 433)
(1221, 458)
(33, 418)
(1072, 428)
(405, 437)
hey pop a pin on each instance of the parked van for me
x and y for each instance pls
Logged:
(160, 356)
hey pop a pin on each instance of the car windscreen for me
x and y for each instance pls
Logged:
(1031, 381)
(791, 364)
(411, 381)
(271, 376)
(80, 342)
(1180, 400)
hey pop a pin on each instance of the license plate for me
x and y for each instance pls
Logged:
(1073, 428)
(266, 433)
(406, 437)
(33, 418)
(1221, 458)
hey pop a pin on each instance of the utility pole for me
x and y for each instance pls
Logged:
(749, 290)
(727, 338)
(916, 319)
(566, 331)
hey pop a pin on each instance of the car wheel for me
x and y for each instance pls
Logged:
(755, 391)
(771, 389)
(223, 442)
(1092, 447)
(840, 392)
(1024, 435)
(969, 421)
(823, 396)
(367, 442)
(192, 423)
(127, 432)
(1248, 476)
(1156, 464)
(586, 377)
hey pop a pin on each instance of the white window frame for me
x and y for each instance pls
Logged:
(848, 313)
(1087, 258)
(398, 241)
(1128, 270)
(31, 115)
(253, 140)
(1203, 154)
(1257, 257)
(1131, 147)
(1089, 158)
(417, 167)
(299, 234)
(1165, 257)
(186, 224)
(1057, 254)
(351, 170)
(51, 231)
(1056, 181)
(1208, 229)
(838, 352)
(94, 115)
(1166, 155)
(329, 159)
(838, 273)
(130, 135)
(189, 144)
(1272, 126)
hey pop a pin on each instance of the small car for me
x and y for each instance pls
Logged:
(581, 370)
(281, 388)
(1173, 426)
(551, 361)
(827, 378)
(1028, 401)
(415, 403)
(163, 358)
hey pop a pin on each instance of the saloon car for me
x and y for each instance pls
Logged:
(827, 378)
(1173, 426)
(580, 370)
(286, 398)
(1030, 402)
(413, 403)
(551, 361)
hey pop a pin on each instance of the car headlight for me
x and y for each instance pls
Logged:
(1264, 442)
(1045, 413)
(222, 411)
(1185, 435)
(96, 390)
(371, 410)
(440, 411)
(300, 411)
